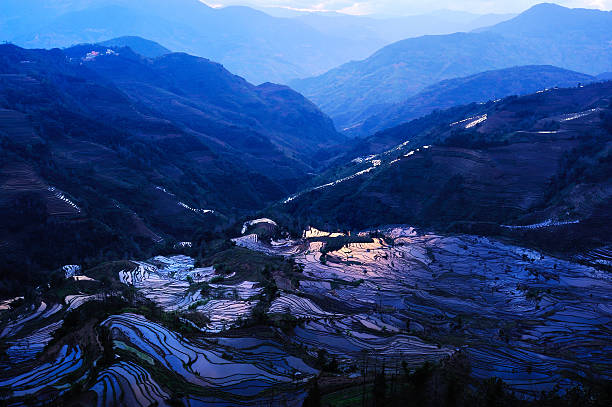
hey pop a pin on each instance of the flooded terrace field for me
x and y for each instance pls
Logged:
(395, 298)
(533, 320)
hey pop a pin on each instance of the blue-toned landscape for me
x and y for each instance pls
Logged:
(296, 203)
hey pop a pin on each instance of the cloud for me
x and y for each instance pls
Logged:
(400, 7)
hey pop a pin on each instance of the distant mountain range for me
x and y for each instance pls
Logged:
(391, 29)
(546, 34)
(251, 43)
(117, 145)
(123, 150)
(481, 87)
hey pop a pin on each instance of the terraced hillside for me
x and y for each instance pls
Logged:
(494, 168)
(105, 151)
(173, 235)
(481, 87)
(327, 307)
(513, 311)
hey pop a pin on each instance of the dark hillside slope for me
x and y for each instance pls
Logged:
(94, 163)
(481, 87)
(538, 159)
(204, 96)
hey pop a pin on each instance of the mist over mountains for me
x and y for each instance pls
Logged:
(391, 29)
(539, 36)
(248, 42)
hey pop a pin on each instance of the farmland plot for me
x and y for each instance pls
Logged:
(395, 299)
(533, 320)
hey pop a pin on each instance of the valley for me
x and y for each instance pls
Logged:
(127, 150)
(489, 168)
(502, 283)
(305, 204)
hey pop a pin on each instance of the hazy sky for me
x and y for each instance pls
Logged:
(404, 7)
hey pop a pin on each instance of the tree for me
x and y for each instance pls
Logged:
(380, 388)
(419, 380)
(494, 392)
(313, 399)
(26, 209)
(105, 337)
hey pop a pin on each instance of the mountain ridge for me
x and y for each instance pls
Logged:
(243, 39)
(108, 151)
(142, 46)
(404, 68)
(480, 87)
